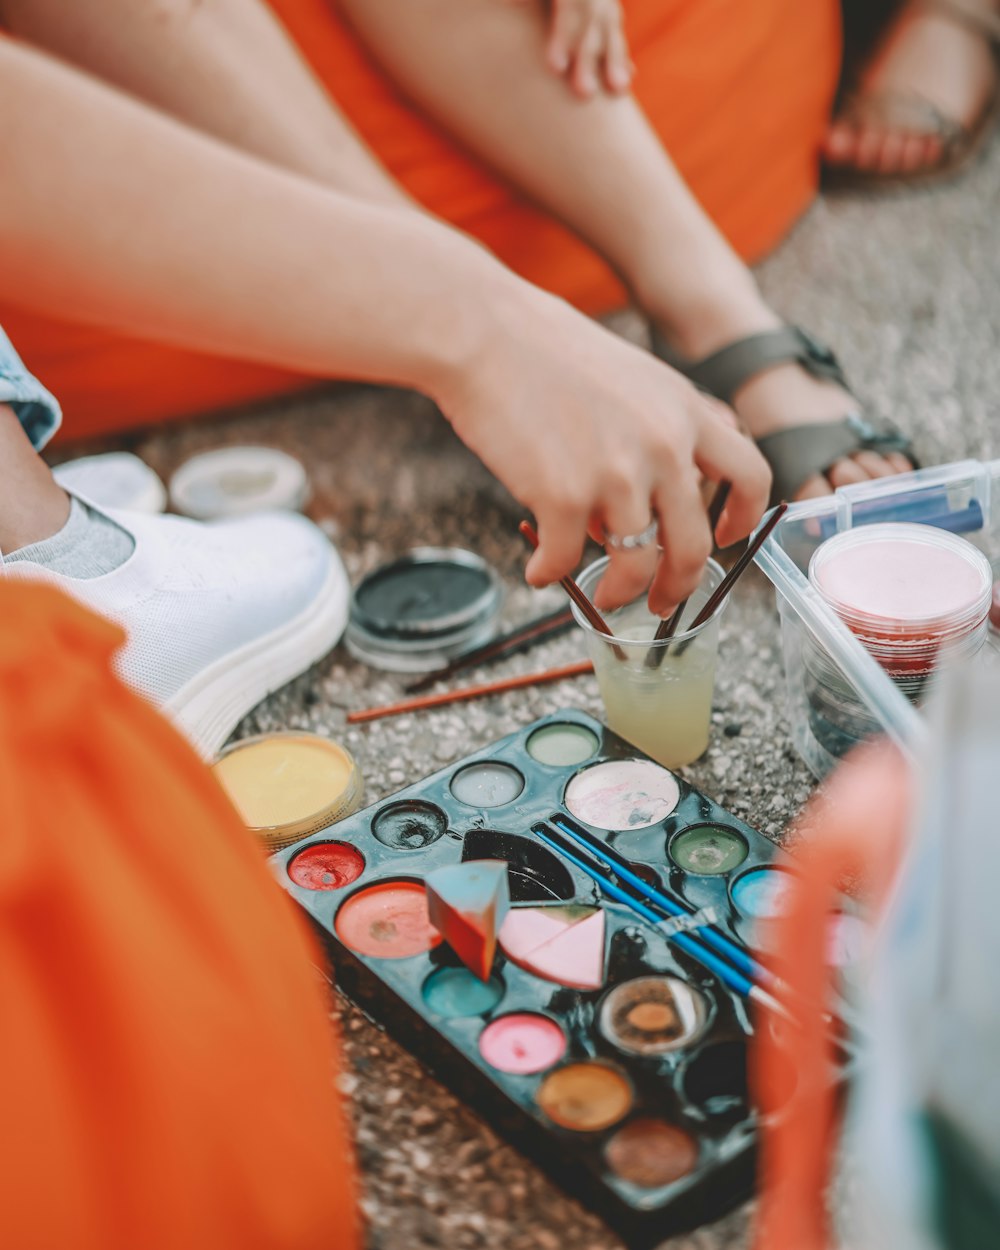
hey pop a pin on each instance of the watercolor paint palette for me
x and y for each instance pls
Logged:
(608, 1055)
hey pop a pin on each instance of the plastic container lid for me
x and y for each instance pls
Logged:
(237, 480)
(900, 586)
(288, 785)
(422, 610)
(115, 479)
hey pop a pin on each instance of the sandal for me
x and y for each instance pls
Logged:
(801, 451)
(910, 112)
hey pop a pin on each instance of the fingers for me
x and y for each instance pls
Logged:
(629, 572)
(562, 528)
(686, 540)
(723, 454)
(588, 54)
(564, 34)
(586, 43)
(618, 67)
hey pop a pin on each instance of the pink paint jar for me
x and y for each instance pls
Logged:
(914, 597)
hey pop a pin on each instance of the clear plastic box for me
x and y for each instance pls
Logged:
(963, 498)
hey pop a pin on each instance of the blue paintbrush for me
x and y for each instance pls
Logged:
(730, 977)
(718, 941)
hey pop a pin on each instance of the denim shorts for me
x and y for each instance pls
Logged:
(39, 413)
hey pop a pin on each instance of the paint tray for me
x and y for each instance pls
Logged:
(837, 694)
(697, 1087)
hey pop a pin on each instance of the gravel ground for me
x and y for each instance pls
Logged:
(907, 288)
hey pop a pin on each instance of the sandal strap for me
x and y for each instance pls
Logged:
(975, 17)
(903, 110)
(798, 453)
(725, 371)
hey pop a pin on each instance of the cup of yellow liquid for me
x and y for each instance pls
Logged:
(658, 695)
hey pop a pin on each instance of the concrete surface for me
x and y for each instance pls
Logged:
(908, 290)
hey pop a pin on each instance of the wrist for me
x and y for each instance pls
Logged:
(485, 304)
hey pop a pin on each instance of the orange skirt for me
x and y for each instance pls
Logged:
(738, 90)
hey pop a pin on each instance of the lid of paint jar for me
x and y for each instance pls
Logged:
(903, 583)
(235, 480)
(287, 785)
(420, 611)
(113, 479)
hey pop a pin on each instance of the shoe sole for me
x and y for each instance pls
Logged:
(209, 708)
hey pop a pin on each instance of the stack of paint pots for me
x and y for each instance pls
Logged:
(915, 597)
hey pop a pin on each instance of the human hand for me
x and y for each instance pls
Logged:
(586, 45)
(594, 435)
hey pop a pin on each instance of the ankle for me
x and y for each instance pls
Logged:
(32, 504)
(713, 316)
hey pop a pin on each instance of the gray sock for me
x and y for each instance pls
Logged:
(88, 545)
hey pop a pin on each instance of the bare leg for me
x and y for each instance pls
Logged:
(226, 67)
(478, 66)
(34, 506)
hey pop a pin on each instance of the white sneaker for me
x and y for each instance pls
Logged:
(217, 615)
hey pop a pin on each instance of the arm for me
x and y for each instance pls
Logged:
(116, 215)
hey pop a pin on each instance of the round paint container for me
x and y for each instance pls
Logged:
(563, 744)
(586, 1097)
(906, 592)
(387, 921)
(455, 993)
(236, 480)
(522, 1043)
(487, 784)
(914, 596)
(409, 825)
(652, 1015)
(424, 609)
(288, 785)
(709, 850)
(327, 866)
(622, 794)
(651, 1153)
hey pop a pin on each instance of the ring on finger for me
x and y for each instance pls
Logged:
(632, 542)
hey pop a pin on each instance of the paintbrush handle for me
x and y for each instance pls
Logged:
(720, 942)
(527, 531)
(471, 692)
(729, 976)
(738, 569)
(518, 640)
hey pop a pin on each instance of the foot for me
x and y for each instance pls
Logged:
(781, 397)
(217, 615)
(930, 56)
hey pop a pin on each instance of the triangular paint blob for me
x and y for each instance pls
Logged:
(560, 944)
(467, 904)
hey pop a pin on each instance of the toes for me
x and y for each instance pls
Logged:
(898, 462)
(873, 464)
(840, 142)
(913, 155)
(814, 487)
(891, 155)
(869, 149)
(846, 473)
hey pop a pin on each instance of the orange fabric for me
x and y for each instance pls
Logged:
(166, 1061)
(840, 842)
(738, 90)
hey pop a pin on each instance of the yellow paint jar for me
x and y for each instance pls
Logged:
(288, 785)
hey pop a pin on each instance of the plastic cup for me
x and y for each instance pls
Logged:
(658, 695)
